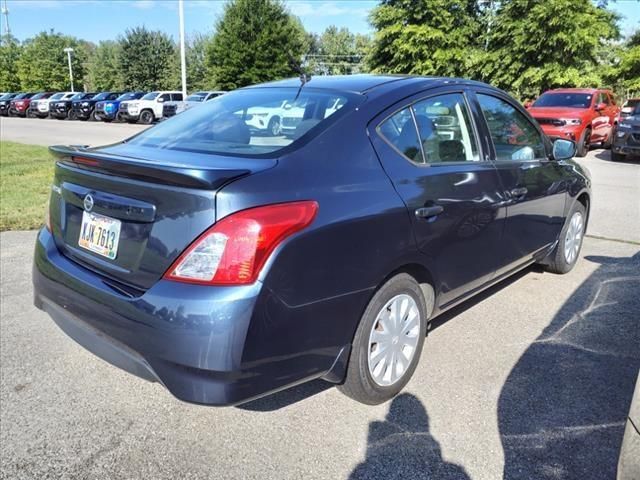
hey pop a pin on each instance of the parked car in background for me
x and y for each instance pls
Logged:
(293, 114)
(266, 118)
(5, 100)
(61, 109)
(85, 109)
(585, 115)
(628, 108)
(227, 264)
(148, 108)
(40, 108)
(32, 111)
(19, 105)
(107, 110)
(172, 108)
(626, 140)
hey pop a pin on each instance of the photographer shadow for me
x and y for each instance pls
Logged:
(401, 447)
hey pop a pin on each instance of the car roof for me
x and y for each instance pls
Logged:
(362, 83)
(577, 90)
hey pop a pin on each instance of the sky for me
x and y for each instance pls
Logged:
(96, 20)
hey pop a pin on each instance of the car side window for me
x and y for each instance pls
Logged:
(165, 96)
(445, 129)
(514, 136)
(399, 130)
(176, 96)
(603, 98)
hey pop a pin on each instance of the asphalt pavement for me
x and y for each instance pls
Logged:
(532, 380)
(50, 131)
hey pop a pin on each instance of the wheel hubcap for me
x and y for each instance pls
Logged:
(573, 238)
(393, 340)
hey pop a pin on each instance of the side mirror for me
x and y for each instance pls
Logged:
(161, 100)
(601, 106)
(563, 149)
(528, 105)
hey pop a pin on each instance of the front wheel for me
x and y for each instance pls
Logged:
(275, 126)
(583, 144)
(146, 117)
(388, 342)
(566, 254)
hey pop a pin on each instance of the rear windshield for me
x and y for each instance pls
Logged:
(573, 100)
(248, 122)
(632, 104)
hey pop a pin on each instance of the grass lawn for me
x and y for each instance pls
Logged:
(26, 173)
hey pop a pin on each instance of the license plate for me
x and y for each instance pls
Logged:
(100, 234)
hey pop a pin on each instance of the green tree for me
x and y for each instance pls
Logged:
(103, 72)
(535, 45)
(255, 41)
(198, 76)
(624, 74)
(43, 62)
(9, 54)
(147, 60)
(339, 51)
(425, 37)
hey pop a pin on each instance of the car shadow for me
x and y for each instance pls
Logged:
(606, 156)
(287, 397)
(401, 447)
(562, 409)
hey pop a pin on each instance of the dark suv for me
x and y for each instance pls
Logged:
(5, 100)
(62, 108)
(85, 109)
(626, 140)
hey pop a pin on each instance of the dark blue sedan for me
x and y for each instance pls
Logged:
(228, 262)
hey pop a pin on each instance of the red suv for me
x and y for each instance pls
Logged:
(585, 115)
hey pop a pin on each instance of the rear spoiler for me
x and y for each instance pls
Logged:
(78, 156)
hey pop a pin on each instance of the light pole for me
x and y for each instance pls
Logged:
(68, 50)
(183, 62)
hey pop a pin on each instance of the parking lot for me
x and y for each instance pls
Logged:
(531, 380)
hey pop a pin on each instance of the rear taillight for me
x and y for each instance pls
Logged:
(235, 249)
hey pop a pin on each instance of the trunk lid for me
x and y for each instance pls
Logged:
(162, 200)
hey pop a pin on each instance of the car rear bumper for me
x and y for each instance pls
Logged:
(190, 338)
(629, 144)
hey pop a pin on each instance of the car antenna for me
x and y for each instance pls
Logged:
(304, 76)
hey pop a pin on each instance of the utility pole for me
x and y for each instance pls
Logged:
(183, 61)
(68, 50)
(5, 12)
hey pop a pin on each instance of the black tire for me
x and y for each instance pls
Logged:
(607, 143)
(617, 157)
(146, 117)
(93, 117)
(359, 384)
(275, 126)
(558, 262)
(583, 144)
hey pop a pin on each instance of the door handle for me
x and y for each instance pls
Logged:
(519, 192)
(428, 212)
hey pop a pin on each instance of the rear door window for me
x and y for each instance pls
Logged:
(445, 129)
(176, 97)
(399, 130)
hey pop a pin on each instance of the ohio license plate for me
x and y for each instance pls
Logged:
(100, 234)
